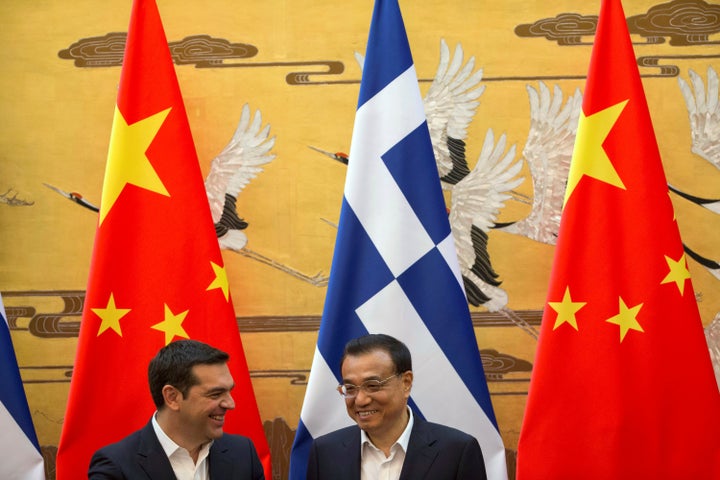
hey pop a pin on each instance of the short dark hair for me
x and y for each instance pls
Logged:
(398, 351)
(173, 364)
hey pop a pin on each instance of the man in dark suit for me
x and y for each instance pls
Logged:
(190, 384)
(389, 441)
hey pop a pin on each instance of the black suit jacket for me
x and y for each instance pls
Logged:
(140, 456)
(435, 452)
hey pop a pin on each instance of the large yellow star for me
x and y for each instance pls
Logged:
(127, 162)
(172, 325)
(220, 281)
(589, 157)
(110, 316)
(678, 272)
(566, 310)
(626, 319)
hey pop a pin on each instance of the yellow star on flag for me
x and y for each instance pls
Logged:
(678, 272)
(589, 157)
(110, 316)
(172, 325)
(626, 319)
(127, 162)
(220, 281)
(566, 310)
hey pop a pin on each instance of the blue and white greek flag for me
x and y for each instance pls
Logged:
(20, 457)
(395, 268)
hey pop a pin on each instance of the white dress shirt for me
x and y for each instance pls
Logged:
(180, 459)
(374, 465)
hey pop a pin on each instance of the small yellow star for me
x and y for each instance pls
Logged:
(589, 157)
(127, 162)
(220, 281)
(172, 325)
(566, 310)
(678, 272)
(626, 319)
(110, 316)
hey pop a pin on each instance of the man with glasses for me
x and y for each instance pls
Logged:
(389, 442)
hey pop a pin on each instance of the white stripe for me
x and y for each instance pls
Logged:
(323, 410)
(380, 123)
(436, 384)
(390, 115)
(449, 253)
(20, 458)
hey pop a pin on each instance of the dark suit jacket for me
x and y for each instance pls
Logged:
(140, 456)
(435, 452)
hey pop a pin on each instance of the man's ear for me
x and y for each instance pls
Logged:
(407, 379)
(172, 397)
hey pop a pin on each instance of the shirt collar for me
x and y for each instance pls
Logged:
(168, 445)
(402, 441)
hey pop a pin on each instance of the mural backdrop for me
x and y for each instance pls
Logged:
(294, 64)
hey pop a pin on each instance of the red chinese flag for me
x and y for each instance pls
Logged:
(622, 386)
(157, 274)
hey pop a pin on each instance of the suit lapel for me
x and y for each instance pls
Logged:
(151, 456)
(351, 444)
(420, 453)
(218, 461)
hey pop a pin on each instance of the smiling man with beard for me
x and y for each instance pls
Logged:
(190, 384)
(389, 441)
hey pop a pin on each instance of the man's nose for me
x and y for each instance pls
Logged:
(362, 398)
(228, 402)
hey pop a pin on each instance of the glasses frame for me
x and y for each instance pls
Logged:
(342, 388)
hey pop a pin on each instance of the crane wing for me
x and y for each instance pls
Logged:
(478, 198)
(240, 161)
(450, 106)
(548, 151)
(704, 113)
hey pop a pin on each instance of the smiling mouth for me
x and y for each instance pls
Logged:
(366, 414)
(218, 418)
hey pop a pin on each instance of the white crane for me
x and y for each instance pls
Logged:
(231, 170)
(548, 151)
(703, 107)
(704, 113)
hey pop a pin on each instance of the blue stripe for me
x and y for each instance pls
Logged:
(12, 394)
(357, 273)
(388, 51)
(438, 298)
(300, 452)
(412, 165)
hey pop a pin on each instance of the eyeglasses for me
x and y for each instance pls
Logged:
(348, 390)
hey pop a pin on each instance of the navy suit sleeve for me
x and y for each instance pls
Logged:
(257, 468)
(312, 469)
(472, 464)
(234, 456)
(102, 468)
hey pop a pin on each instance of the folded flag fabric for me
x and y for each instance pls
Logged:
(156, 273)
(395, 268)
(622, 385)
(20, 456)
